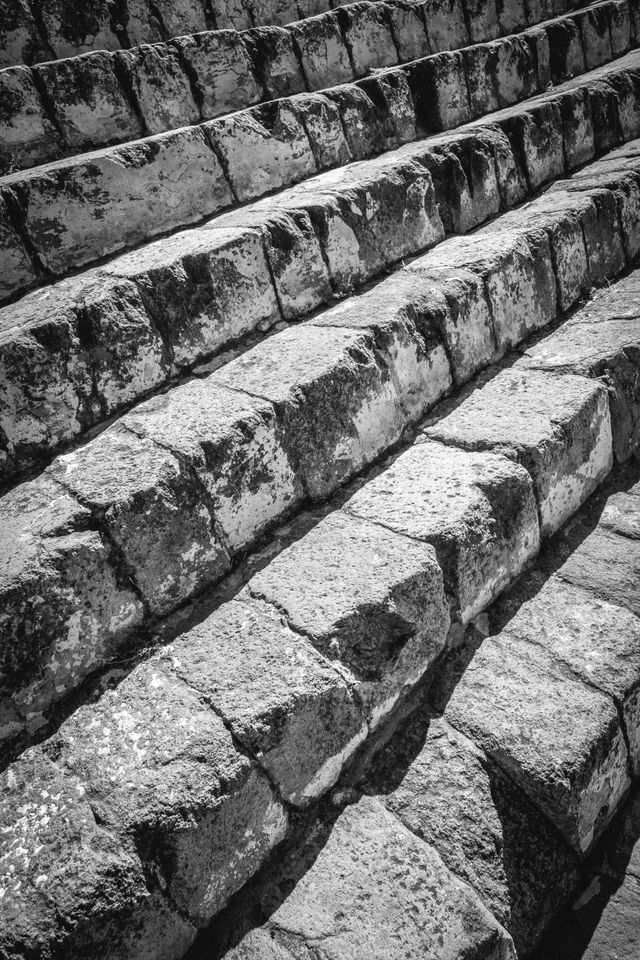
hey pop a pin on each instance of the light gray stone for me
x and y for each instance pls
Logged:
(27, 135)
(223, 70)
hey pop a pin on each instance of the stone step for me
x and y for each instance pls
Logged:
(70, 213)
(105, 339)
(161, 504)
(100, 98)
(188, 768)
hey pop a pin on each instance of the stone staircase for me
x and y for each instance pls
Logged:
(319, 405)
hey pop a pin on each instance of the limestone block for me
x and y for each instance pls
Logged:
(536, 136)
(477, 510)
(515, 74)
(323, 52)
(153, 511)
(383, 616)
(408, 29)
(325, 129)
(557, 427)
(276, 61)
(142, 23)
(232, 14)
(566, 50)
(482, 17)
(65, 608)
(367, 125)
(75, 26)
(280, 698)
(558, 738)
(27, 136)
(620, 25)
(273, 11)
(83, 209)
(596, 36)
(446, 27)
(577, 127)
(480, 64)
(439, 88)
(16, 270)
(400, 898)
(233, 443)
(160, 85)
(90, 104)
(223, 71)
(367, 31)
(391, 94)
(180, 17)
(598, 212)
(20, 40)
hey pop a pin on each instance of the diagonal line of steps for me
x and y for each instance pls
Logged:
(115, 333)
(78, 104)
(254, 711)
(159, 506)
(70, 213)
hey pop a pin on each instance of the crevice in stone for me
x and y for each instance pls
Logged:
(16, 199)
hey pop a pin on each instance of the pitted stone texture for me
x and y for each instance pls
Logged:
(71, 354)
(276, 61)
(598, 641)
(20, 40)
(367, 31)
(233, 443)
(280, 698)
(400, 312)
(202, 288)
(65, 608)
(84, 209)
(440, 92)
(161, 86)
(557, 427)
(70, 885)
(488, 833)
(536, 136)
(161, 768)
(367, 598)
(152, 510)
(477, 510)
(558, 738)
(335, 399)
(27, 136)
(17, 270)
(223, 71)
(446, 27)
(89, 102)
(408, 29)
(603, 237)
(597, 343)
(323, 51)
(323, 124)
(75, 26)
(400, 900)
(263, 149)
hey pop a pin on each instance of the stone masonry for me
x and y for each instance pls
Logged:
(319, 479)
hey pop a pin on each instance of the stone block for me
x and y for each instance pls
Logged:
(446, 25)
(322, 122)
(222, 69)
(16, 270)
(408, 29)
(160, 85)
(276, 61)
(74, 26)
(27, 135)
(367, 32)
(439, 88)
(20, 39)
(323, 51)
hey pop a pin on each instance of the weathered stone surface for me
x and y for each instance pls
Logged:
(480, 63)
(367, 31)
(152, 510)
(203, 288)
(279, 697)
(161, 86)
(484, 827)
(368, 127)
(400, 899)
(439, 89)
(596, 343)
(323, 52)
(335, 399)
(27, 136)
(234, 445)
(477, 510)
(65, 608)
(389, 92)
(20, 40)
(70, 355)
(558, 738)
(596, 36)
(263, 149)
(273, 11)
(82, 209)
(598, 641)
(161, 768)
(177, 17)
(276, 61)
(400, 312)
(557, 427)
(70, 884)
(482, 17)
(16, 268)
(232, 14)
(565, 46)
(515, 71)
(536, 137)
(446, 27)
(323, 124)
(382, 614)
(408, 29)
(74, 26)
(90, 104)
(599, 215)
(223, 70)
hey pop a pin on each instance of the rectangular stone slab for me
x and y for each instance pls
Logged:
(446, 497)
(558, 427)
(558, 738)
(400, 899)
(381, 614)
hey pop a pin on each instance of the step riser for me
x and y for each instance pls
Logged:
(126, 195)
(224, 458)
(235, 661)
(101, 98)
(176, 302)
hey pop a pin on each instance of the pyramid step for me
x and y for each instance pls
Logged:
(119, 331)
(160, 505)
(253, 710)
(70, 213)
(96, 99)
